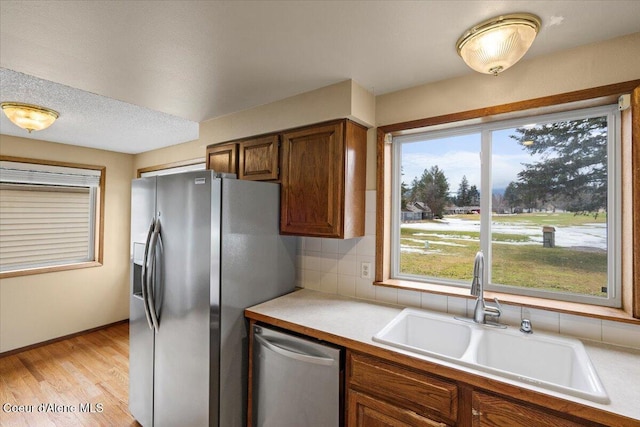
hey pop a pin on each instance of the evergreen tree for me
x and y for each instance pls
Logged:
(432, 189)
(462, 196)
(404, 191)
(573, 165)
(474, 196)
(512, 196)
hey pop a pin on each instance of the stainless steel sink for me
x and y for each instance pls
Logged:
(542, 360)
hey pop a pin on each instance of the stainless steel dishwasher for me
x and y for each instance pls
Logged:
(297, 382)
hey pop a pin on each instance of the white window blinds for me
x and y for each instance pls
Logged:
(47, 217)
(29, 173)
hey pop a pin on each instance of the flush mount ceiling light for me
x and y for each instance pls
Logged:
(28, 116)
(497, 43)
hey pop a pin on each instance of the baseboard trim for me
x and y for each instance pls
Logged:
(62, 338)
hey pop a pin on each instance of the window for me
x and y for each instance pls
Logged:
(49, 216)
(540, 196)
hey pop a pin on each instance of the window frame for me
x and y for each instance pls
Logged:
(485, 132)
(591, 97)
(96, 240)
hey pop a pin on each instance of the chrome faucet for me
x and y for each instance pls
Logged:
(482, 310)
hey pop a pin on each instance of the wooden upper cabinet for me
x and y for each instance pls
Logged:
(323, 180)
(259, 158)
(254, 159)
(223, 157)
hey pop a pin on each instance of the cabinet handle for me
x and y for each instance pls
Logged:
(475, 412)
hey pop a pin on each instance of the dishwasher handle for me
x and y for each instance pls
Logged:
(302, 356)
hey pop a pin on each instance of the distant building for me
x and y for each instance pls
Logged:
(461, 210)
(415, 211)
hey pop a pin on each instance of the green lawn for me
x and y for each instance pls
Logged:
(450, 254)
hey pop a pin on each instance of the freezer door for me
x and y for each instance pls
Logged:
(296, 382)
(182, 300)
(141, 337)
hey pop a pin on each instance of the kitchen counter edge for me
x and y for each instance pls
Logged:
(351, 323)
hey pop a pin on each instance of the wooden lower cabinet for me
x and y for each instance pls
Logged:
(382, 393)
(367, 411)
(494, 411)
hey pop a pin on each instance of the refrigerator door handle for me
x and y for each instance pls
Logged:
(300, 354)
(145, 273)
(151, 278)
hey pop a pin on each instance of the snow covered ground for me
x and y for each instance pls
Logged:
(587, 236)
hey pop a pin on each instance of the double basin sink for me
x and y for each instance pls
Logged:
(542, 360)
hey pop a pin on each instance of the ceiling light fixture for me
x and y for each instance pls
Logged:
(497, 43)
(28, 116)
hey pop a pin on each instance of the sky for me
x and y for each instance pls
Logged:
(460, 155)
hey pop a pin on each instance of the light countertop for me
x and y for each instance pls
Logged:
(352, 323)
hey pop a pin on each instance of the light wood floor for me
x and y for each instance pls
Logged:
(87, 369)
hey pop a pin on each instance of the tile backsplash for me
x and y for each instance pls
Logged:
(334, 266)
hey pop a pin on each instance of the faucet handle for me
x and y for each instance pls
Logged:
(525, 326)
(498, 306)
(490, 310)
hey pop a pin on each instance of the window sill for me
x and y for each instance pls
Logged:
(51, 269)
(603, 313)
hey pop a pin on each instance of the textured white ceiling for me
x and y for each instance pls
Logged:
(92, 120)
(203, 59)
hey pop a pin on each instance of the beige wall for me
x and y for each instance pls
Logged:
(598, 64)
(44, 306)
(344, 99)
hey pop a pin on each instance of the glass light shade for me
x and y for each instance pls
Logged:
(496, 44)
(28, 116)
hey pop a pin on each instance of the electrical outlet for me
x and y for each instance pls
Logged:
(365, 270)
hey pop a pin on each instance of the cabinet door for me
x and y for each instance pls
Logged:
(495, 411)
(323, 180)
(259, 158)
(366, 411)
(403, 387)
(313, 181)
(223, 158)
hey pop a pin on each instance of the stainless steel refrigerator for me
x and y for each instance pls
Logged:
(203, 248)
